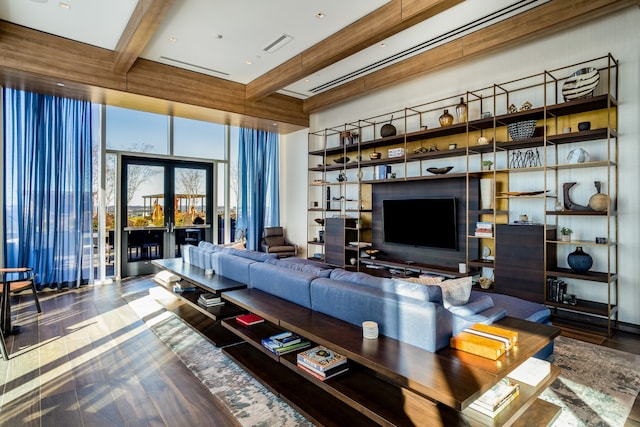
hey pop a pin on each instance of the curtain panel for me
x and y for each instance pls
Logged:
(258, 167)
(47, 187)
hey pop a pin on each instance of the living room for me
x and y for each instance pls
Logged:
(591, 39)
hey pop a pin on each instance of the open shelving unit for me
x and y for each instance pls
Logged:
(424, 143)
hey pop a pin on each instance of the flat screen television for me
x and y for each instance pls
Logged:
(428, 222)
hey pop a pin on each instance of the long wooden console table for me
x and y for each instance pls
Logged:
(214, 284)
(389, 382)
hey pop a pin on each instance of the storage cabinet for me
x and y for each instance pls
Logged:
(338, 234)
(523, 260)
(527, 174)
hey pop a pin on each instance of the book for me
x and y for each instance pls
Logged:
(278, 350)
(326, 372)
(506, 336)
(249, 319)
(210, 304)
(339, 370)
(209, 297)
(321, 358)
(180, 287)
(500, 407)
(285, 338)
(480, 346)
(493, 398)
(531, 371)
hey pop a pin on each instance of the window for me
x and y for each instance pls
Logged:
(193, 138)
(137, 131)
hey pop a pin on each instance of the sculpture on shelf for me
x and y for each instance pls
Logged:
(599, 202)
(568, 203)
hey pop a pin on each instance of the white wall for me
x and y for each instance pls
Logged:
(617, 34)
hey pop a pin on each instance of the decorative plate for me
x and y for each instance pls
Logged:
(581, 84)
(440, 171)
(523, 193)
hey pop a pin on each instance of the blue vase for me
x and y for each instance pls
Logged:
(579, 261)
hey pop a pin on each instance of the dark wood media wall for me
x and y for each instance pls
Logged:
(443, 187)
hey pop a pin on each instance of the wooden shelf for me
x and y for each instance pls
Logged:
(585, 306)
(592, 276)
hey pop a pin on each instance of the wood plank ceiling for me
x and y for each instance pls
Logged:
(41, 62)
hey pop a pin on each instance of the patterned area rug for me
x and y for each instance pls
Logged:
(597, 387)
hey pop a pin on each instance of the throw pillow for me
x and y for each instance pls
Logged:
(426, 280)
(238, 245)
(456, 291)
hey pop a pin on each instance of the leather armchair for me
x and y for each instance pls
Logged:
(273, 242)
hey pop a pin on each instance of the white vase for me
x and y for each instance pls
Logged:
(486, 193)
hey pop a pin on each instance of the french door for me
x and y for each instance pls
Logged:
(165, 204)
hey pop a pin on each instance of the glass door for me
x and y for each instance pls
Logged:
(165, 204)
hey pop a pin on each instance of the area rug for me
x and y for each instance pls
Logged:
(597, 387)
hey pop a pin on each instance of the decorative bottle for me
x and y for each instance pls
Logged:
(579, 261)
(446, 119)
(461, 111)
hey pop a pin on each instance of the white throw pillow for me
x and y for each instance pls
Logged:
(425, 280)
(456, 291)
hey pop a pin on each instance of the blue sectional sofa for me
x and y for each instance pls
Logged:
(415, 313)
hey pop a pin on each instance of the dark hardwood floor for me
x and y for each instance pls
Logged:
(88, 360)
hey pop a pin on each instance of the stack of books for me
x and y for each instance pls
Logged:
(484, 229)
(210, 300)
(556, 289)
(285, 342)
(497, 398)
(322, 363)
(181, 287)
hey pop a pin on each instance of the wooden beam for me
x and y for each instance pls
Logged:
(39, 62)
(557, 15)
(384, 22)
(144, 21)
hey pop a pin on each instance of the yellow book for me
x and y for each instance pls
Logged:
(478, 345)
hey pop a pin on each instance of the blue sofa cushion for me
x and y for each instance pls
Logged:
(522, 309)
(252, 255)
(476, 306)
(420, 323)
(231, 266)
(292, 285)
(206, 245)
(318, 269)
(359, 278)
(416, 290)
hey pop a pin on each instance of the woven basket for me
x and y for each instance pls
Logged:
(521, 130)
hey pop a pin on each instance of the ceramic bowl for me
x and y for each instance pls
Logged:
(341, 160)
(439, 171)
(374, 155)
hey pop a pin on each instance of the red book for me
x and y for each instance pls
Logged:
(249, 319)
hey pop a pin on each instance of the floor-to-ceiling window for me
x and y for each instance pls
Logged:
(151, 138)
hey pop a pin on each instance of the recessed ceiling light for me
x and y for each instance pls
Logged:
(382, 45)
(320, 15)
(63, 5)
(60, 84)
(275, 124)
(248, 62)
(173, 39)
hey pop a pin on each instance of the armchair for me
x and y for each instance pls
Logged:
(273, 242)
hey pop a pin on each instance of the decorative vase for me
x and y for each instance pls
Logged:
(486, 193)
(599, 202)
(566, 237)
(579, 261)
(461, 111)
(446, 119)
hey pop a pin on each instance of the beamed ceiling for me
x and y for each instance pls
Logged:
(208, 59)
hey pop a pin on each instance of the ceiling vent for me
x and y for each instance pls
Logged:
(282, 40)
(211, 70)
(455, 33)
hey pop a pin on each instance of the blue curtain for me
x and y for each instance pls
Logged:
(47, 187)
(259, 202)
